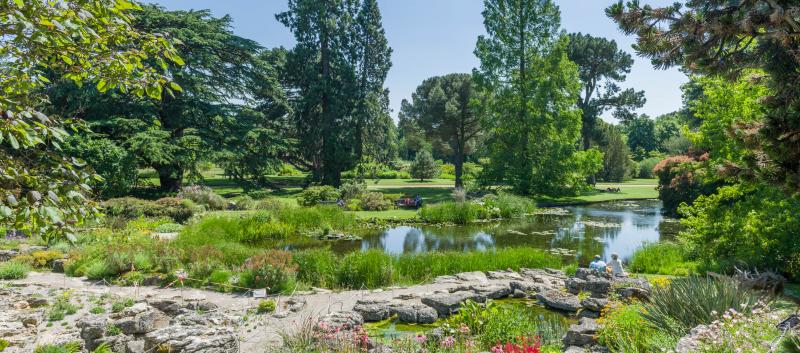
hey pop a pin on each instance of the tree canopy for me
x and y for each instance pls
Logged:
(443, 107)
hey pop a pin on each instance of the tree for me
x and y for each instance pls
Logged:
(601, 66)
(720, 37)
(641, 131)
(424, 167)
(443, 108)
(337, 69)
(45, 192)
(410, 135)
(223, 75)
(617, 162)
(530, 88)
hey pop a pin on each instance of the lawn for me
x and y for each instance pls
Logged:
(635, 189)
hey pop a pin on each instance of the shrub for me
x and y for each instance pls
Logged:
(42, 258)
(424, 167)
(289, 170)
(743, 225)
(273, 270)
(316, 267)
(261, 229)
(71, 347)
(352, 189)
(626, 331)
(691, 301)
(681, 180)
(142, 261)
(310, 219)
(505, 205)
(266, 306)
(375, 201)
(221, 280)
(14, 270)
(646, 166)
(96, 270)
(664, 258)
(314, 195)
(168, 228)
(203, 195)
(370, 269)
(450, 212)
(259, 194)
(244, 203)
(129, 208)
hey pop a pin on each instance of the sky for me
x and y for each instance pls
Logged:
(437, 37)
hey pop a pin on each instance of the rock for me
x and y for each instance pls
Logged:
(518, 294)
(372, 310)
(344, 320)
(590, 314)
(574, 349)
(21, 305)
(598, 286)
(202, 305)
(414, 313)
(153, 281)
(472, 277)
(58, 265)
(528, 287)
(27, 249)
(492, 291)
(280, 314)
(295, 304)
(192, 339)
(6, 255)
(594, 304)
(92, 329)
(171, 307)
(582, 334)
(633, 288)
(30, 320)
(320, 290)
(140, 319)
(36, 302)
(504, 275)
(691, 342)
(556, 299)
(448, 303)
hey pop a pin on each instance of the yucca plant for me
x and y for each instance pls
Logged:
(691, 301)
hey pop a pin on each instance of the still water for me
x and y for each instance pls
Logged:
(580, 232)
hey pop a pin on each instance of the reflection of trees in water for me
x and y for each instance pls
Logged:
(413, 239)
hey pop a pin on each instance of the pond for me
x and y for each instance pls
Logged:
(579, 231)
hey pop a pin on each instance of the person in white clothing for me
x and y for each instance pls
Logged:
(598, 264)
(616, 266)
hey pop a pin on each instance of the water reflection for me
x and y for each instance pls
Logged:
(614, 227)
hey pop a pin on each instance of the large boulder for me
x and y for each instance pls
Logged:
(559, 300)
(414, 313)
(92, 330)
(342, 320)
(193, 333)
(582, 334)
(447, 304)
(594, 304)
(373, 310)
(140, 319)
(596, 285)
(632, 288)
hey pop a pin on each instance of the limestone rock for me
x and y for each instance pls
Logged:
(36, 302)
(492, 291)
(58, 265)
(447, 304)
(192, 339)
(594, 304)
(372, 310)
(574, 349)
(140, 319)
(414, 313)
(344, 320)
(556, 299)
(582, 334)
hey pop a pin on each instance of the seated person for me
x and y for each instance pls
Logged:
(598, 264)
(616, 266)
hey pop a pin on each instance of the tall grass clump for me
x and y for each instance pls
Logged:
(664, 258)
(691, 301)
(306, 219)
(14, 270)
(505, 205)
(417, 267)
(370, 269)
(316, 267)
(625, 330)
(450, 212)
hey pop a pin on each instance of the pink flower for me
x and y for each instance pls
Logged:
(497, 349)
(464, 329)
(421, 339)
(448, 342)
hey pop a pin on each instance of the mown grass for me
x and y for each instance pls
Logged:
(665, 258)
(636, 189)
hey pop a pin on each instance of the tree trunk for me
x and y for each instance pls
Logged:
(459, 164)
(170, 178)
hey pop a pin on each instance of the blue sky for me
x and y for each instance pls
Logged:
(437, 37)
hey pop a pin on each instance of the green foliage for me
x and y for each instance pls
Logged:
(626, 331)
(3, 345)
(618, 164)
(641, 131)
(273, 270)
(375, 201)
(352, 189)
(316, 267)
(663, 258)
(491, 323)
(746, 224)
(507, 206)
(113, 163)
(61, 307)
(204, 196)
(315, 195)
(71, 347)
(370, 269)
(680, 180)
(529, 88)
(450, 212)
(45, 192)
(443, 108)
(131, 208)
(120, 305)
(168, 228)
(266, 306)
(14, 270)
(424, 166)
(645, 167)
(97, 310)
(113, 330)
(687, 302)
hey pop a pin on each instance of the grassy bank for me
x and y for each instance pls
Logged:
(636, 189)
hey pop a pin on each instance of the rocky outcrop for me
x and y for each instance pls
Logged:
(556, 299)
(582, 334)
(447, 304)
(194, 333)
(342, 320)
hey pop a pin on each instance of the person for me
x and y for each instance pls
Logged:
(598, 264)
(616, 266)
